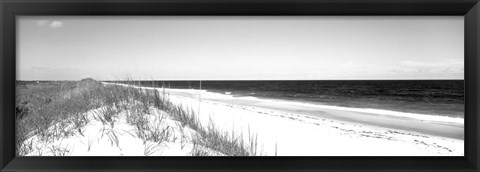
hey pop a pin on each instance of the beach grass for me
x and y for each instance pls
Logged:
(53, 113)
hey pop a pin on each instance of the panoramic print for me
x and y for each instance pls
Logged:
(240, 86)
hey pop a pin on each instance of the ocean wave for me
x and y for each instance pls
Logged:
(424, 117)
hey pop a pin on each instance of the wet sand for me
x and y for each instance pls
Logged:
(436, 128)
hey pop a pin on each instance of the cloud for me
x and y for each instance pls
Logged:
(56, 24)
(447, 67)
(52, 24)
(412, 69)
(440, 65)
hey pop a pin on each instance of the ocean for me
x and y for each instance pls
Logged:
(436, 97)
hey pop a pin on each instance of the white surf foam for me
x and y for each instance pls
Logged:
(423, 117)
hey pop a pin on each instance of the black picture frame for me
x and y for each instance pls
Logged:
(470, 9)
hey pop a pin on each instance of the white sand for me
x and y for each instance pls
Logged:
(121, 140)
(278, 132)
(296, 134)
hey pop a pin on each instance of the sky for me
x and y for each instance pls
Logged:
(240, 48)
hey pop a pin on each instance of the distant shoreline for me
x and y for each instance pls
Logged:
(433, 97)
(428, 124)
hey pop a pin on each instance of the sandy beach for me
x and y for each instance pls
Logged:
(240, 86)
(290, 128)
(279, 128)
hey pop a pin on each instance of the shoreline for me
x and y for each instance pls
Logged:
(454, 110)
(297, 134)
(427, 124)
(218, 96)
(287, 130)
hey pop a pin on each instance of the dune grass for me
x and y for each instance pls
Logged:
(60, 116)
(226, 143)
(64, 114)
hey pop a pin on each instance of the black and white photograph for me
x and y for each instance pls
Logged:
(240, 86)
